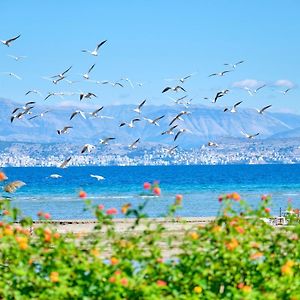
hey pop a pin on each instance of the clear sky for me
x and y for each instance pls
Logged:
(150, 41)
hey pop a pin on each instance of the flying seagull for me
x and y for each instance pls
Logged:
(170, 130)
(87, 148)
(249, 136)
(95, 52)
(139, 107)
(34, 92)
(88, 95)
(233, 109)
(98, 177)
(251, 92)
(235, 65)
(64, 164)
(285, 91)
(219, 95)
(175, 89)
(177, 101)
(182, 79)
(134, 144)
(111, 83)
(17, 58)
(169, 151)
(212, 144)
(178, 117)
(131, 123)
(64, 130)
(106, 140)
(42, 114)
(26, 107)
(76, 112)
(260, 111)
(8, 42)
(87, 75)
(95, 112)
(62, 75)
(220, 73)
(154, 121)
(179, 132)
(129, 81)
(12, 75)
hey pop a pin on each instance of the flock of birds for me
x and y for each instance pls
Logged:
(174, 128)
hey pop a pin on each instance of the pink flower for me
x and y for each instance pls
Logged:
(100, 206)
(47, 216)
(157, 191)
(112, 211)
(147, 185)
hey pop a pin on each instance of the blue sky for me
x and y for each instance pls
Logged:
(150, 41)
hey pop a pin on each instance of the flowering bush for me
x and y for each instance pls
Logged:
(237, 256)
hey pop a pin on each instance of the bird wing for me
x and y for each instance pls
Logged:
(177, 134)
(97, 110)
(63, 165)
(28, 103)
(239, 62)
(178, 87)
(173, 120)
(238, 103)
(100, 44)
(16, 109)
(13, 39)
(135, 142)
(13, 186)
(260, 87)
(73, 115)
(157, 119)
(141, 104)
(166, 89)
(63, 73)
(256, 134)
(91, 68)
(213, 74)
(34, 117)
(264, 108)
(136, 120)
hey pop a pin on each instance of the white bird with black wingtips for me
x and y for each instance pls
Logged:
(233, 109)
(95, 52)
(9, 41)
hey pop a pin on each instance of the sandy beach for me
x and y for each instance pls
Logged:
(123, 225)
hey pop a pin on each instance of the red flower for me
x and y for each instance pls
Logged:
(112, 211)
(147, 185)
(161, 283)
(264, 197)
(2, 176)
(157, 191)
(124, 281)
(47, 216)
(100, 206)
(82, 194)
(178, 199)
(267, 210)
(40, 214)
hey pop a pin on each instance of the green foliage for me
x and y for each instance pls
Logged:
(238, 256)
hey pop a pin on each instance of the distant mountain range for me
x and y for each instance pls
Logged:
(203, 124)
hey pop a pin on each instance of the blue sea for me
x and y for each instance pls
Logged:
(199, 185)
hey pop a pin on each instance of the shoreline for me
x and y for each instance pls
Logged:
(122, 225)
